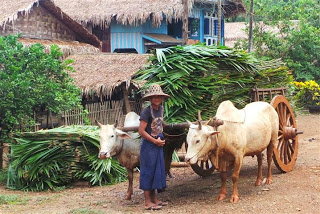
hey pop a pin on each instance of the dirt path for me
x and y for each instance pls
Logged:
(294, 192)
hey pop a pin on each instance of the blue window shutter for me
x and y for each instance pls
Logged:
(222, 28)
(215, 27)
(206, 26)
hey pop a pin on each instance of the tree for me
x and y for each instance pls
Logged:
(32, 80)
(296, 42)
(250, 27)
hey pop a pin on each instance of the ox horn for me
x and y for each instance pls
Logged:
(199, 116)
(98, 124)
(200, 126)
(116, 124)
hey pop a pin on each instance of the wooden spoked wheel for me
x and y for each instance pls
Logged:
(286, 150)
(203, 168)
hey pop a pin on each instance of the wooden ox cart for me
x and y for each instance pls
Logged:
(286, 151)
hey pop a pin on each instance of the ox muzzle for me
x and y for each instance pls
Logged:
(104, 155)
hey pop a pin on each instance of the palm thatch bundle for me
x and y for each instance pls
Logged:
(54, 158)
(200, 77)
(99, 74)
(101, 12)
(66, 47)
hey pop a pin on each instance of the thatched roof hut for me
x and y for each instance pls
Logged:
(99, 74)
(42, 19)
(66, 47)
(102, 12)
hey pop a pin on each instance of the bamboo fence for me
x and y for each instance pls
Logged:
(107, 112)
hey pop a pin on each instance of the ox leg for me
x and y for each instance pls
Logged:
(168, 152)
(235, 179)
(223, 191)
(269, 160)
(259, 177)
(130, 187)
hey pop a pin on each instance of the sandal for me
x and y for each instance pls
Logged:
(154, 207)
(163, 203)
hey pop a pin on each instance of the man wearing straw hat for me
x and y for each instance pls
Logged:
(152, 170)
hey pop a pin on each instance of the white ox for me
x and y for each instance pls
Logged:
(235, 134)
(125, 146)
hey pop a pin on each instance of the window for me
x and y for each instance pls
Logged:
(210, 28)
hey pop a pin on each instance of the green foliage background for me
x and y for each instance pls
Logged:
(31, 80)
(296, 43)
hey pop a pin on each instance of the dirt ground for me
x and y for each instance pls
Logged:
(295, 192)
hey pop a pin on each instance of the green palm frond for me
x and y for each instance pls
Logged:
(200, 77)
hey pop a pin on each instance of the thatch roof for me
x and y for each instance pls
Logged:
(102, 73)
(66, 47)
(102, 12)
(11, 9)
(230, 8)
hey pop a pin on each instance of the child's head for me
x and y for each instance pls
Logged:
(155, 94)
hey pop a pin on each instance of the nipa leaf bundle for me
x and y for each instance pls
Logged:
(57, 157)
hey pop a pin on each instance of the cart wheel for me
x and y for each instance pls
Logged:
(203, 168)
(286, 151)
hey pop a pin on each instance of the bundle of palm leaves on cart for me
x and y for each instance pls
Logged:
(200, 77)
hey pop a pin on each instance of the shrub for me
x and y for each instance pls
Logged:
(307, 93)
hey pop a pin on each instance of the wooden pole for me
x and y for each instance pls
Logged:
(219, 23)
(166, 127)
(126, 99)
(185, 22)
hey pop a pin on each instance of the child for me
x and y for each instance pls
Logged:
(152, 171)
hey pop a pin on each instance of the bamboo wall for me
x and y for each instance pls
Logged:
(41, 24)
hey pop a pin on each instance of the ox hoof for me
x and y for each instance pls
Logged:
(234, 199)
(269, 181)
(221, 197)
(128, 197)
(258, 182)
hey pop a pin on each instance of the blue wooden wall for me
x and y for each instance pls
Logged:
(123, 36)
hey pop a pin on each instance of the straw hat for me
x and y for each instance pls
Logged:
(154, 90)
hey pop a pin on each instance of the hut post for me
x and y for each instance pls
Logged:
(126, 99)
(185, 22)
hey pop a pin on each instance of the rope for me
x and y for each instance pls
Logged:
(244, 119)
(171, 135)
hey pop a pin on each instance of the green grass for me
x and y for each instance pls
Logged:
(13, 199)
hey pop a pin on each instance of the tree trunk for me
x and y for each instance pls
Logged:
(219, 23)
(250, 40)
(185, 22)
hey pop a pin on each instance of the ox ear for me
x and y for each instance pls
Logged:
(122, 134)
(98, 124)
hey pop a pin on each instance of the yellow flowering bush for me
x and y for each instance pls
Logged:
(308, 93)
